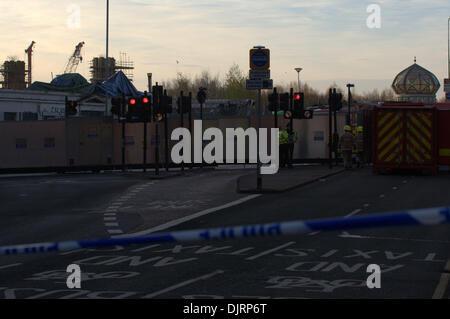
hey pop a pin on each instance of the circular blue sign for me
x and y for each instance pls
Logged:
(260, 59)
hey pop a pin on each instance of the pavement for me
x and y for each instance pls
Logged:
(286, 179)
(324, 265)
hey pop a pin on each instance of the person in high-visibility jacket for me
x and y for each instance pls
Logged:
(292, 139)
(284, 147)
(346, 144)
(359, 141)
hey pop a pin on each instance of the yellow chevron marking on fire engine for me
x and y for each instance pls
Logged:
(387, 127)
(391, 157)
(394, 142)
(383, 119)
(419, 137)
(425, 119)
(421, 127)
(413, 153)
(389, 136)
(444, 152)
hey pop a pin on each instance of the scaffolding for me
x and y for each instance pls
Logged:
(98, 67)
(13, 75)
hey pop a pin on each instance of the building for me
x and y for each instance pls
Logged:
(416, 84)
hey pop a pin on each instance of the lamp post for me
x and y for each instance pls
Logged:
(107, 52)
(298, 77)
(349, 85)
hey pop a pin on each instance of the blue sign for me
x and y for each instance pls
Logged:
(447, 95)
(260, 59)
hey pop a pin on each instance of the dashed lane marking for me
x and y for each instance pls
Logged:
(184, 283)
(115, 231)
(10, 266)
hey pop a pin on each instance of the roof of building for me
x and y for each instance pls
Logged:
(415, 80)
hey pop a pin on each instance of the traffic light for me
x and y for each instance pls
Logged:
(71, 107)
(201, 95)
(298, 111)
(284, 101)
(187, 104)
(335, 100)
(273, 102)
(132, 110)
(167, 104)
(116, 107)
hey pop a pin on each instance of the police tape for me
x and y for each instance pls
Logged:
(424, 217)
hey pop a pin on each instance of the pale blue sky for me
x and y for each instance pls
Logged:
(329, 39)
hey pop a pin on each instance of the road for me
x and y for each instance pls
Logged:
(317, 265)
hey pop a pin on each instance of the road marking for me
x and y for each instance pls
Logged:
(115, 231)
(347, 235)
(191, 217)
(110, 214)
(441, 287)
(109, 218)
(112, 224)
(184, 283)
(10, 266)
(356, 211)
(267, 252)
(395, 188)
(382, 196)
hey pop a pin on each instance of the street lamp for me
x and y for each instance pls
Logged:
(298, 77)
(349, 85)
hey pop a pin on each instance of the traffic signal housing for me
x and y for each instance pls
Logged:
(273, 102)
(187, 104)
(201, 95)
(71, 108)
(298, 111)
(284, 101)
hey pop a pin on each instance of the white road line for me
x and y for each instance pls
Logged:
(115, 231)
(110, 214)
(191, 217)
(347, 235)
(356, 211)
(109, 218)
(112, 224)
(10, 266)
(184, 283)
(442, 286)
(267, 252)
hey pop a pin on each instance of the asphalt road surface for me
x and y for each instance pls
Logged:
(317, 265)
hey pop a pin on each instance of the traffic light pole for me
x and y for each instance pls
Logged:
(291, 124)
(258, 164)
(201, 119)
(190, 131)
(181, 120)
(336, 137)
(166, 136)
(122, 105)
(330, 128)
(145, 142)
(275, 116)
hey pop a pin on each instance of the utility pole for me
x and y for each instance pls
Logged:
(330, 128)
(298, 77)
(349, 85)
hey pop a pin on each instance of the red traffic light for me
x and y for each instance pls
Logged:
(297, 97)
(145, 100)
(132, 101)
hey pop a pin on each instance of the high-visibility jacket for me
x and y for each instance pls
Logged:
(283, 136)
(347, 141)
(359, 142)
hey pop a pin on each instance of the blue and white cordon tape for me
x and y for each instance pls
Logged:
(432, 216)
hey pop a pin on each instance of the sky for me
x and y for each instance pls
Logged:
(329, 39)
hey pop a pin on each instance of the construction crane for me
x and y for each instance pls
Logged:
(74, 59)
(29, 52)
